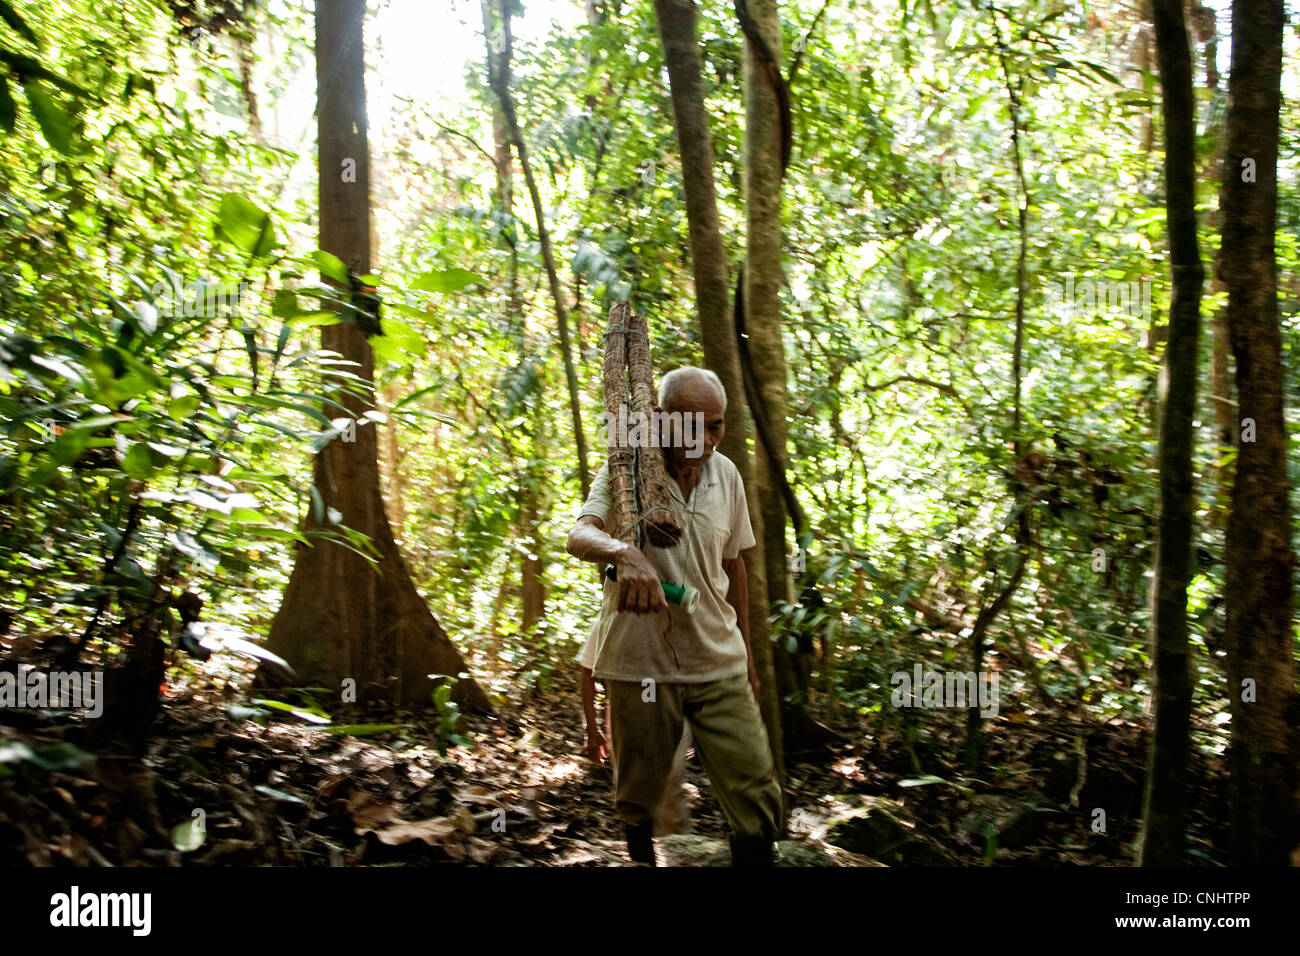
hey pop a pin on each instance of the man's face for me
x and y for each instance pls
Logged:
(697, 428)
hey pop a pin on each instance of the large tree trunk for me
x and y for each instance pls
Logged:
(1260, 637)
(340, 619)
(677, 31)
(764, 150)
(391, 449)
(1165, 801)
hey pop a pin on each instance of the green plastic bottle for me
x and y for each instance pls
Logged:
(683, 595)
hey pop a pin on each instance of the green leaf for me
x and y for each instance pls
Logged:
(1101, 71)
(12, 751)
(323, 438)
(138, 463)
(241, 646)
(331, 266)
(445, 280)
(278, 795)
(361, 730)
(921, 781)
(416, 395)
(68, 447)
(188, 836)
(182, 408)
(240, 712)
(99, 421)
(931, 778)
(310, 320)
(404, 337)
(60, 757)
(285, 304)
(286, 330)
(189, 545)
(311, 715)
(317, 504)
(245, 225)
(385, 350)
(52, 120)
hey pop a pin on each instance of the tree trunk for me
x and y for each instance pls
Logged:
(532, 562)
(340, 618)
(1259, 634)
(764, 149)
(677, 31)
(1221, 395)
(1164, 809)
(532, 586)
(498, 64)
(974, 753)
(391, 449)
(498, 82)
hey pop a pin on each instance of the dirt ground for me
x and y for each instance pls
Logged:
(219, 787)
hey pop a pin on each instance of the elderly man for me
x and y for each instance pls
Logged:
(662, 666)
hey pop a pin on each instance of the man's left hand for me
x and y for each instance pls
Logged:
(753, 682)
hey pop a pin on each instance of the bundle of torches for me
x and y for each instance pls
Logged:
(638, 483)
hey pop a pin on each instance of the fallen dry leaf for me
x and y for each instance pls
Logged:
(463, 817)
(479, 794)
(482, 851)
(436, 831)
(368, 813)
(329, 786)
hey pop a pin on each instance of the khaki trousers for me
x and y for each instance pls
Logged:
(646, 728)
(673, 814)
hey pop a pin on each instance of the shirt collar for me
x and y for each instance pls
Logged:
(708, 478)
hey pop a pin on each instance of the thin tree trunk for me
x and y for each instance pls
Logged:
(498, 64)
(243, 41)
(501, 88)
(1259, 635)
(973, 746)
(533, 588)
(1221, 393)
(677, 31)
(340, 619)
(532, 563)
(1164, 811)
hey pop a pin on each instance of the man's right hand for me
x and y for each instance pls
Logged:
(639, 590)
(597, 749)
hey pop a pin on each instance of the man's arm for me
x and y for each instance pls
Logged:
(738, 598)
(638, 582)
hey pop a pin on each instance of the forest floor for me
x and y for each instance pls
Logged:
(216, 787)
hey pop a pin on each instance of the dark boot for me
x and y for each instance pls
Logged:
(751, 851)
(640, 842)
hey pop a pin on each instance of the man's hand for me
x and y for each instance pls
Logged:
(639, 590)
(596, 747)
(754, 683)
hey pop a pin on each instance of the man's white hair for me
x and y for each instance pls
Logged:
(672, 383)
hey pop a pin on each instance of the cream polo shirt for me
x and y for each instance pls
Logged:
(587, 653)
(673, 646)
